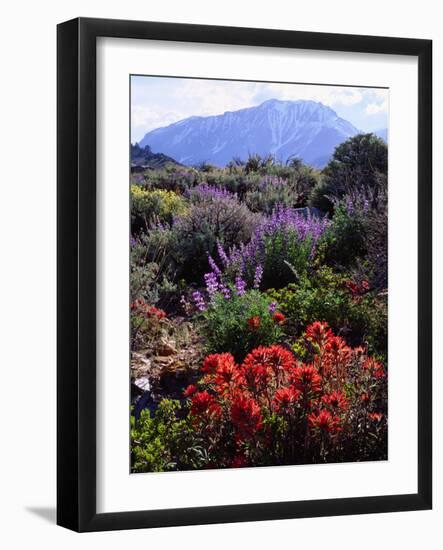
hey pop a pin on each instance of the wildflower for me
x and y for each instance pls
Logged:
(212, 284)
(255, 376)
(324, 421)
(240, 286)
(200, 402)
(318, 333)
(199, 300)
(375, 416)
(222, 254)
(190, 390)
(226, 373)
(272, 307)
(155, 312)
(307, 379)
(352, 287)
(214, 361)
(213, 265)
(254, 322)
(203, 403)
(246, 415)
(226, 291)
(273, 357)
(285, 397)
(336, 400)
(278, 318)
(374, 367)
(364, 397)
(258, 276)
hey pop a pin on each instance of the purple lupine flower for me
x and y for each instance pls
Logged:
(213, 265)
(286, 223)
(199, 300)
(272, 307)
(226, 291)
(132, 241)
(204, 192)
(240, 286)
(211, 283)
(222, 254)
(258, 276)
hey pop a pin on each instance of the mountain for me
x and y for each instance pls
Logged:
(143, 157)
(305, 129)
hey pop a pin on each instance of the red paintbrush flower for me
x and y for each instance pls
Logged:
(374, 367)
(203, 403)
(190, 390)
(365, 285)
(255, 376)
(364, 397)
(375, 416)
(278, 318)
(213, 361)
(336, 345)
(227, 372)
(254, 322)
(306, 379)
(285, 397)
(273, 357)
(324, 421)
(318, 333)
(336, 400)
(246, 415)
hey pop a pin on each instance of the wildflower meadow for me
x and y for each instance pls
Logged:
(258, 307)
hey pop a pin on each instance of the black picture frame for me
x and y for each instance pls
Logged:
(76, 281)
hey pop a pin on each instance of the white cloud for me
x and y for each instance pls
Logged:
(328, 95)
(211, 97)
(376, 108)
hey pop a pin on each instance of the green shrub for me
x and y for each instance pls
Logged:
(164, 442)
(196, 233)
(239, 323)
(270, 193)
(152, 271)
(344, 240)
(360, 319)
(355, 165)
(150, 207)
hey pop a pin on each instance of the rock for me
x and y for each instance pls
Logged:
(142, 383)
(166, 347)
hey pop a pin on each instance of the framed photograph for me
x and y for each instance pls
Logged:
(244, 274)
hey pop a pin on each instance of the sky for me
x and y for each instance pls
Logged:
(160, 101)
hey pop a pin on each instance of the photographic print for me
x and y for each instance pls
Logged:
(258, 273)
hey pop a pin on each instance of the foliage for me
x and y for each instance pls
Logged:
(356, 164)
(271, 192)
(218, 218)
(283, 246)
(151, 207)
(344, 241)
(164, 441)
(349, 307)
(239, 322)
(145, 320)
(151, 270)
(292, 311)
